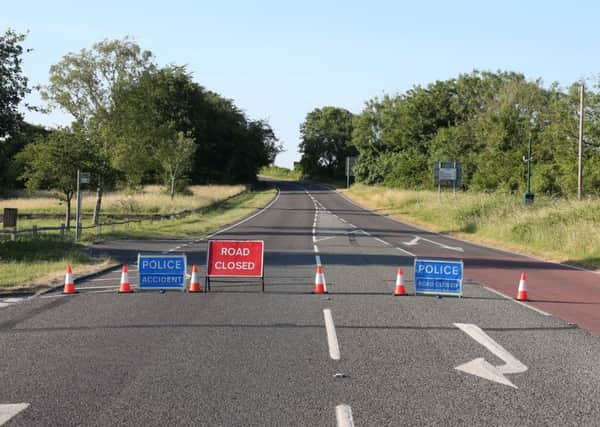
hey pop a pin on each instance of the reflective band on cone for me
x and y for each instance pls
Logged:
(125, 287)
(522, 292)
(400, 289)
(69, 283)
(320, 286)
(195, 282)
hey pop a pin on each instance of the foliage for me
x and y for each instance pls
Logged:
(483, 120)
(52, 163)
(13, 84)
(280, 173)
(228, 147)
(326, 134)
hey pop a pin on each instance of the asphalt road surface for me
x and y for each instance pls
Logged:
(356, 356)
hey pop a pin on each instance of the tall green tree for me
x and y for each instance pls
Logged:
(326, 135)
(84, 84)
(13, 83)
(52, 162)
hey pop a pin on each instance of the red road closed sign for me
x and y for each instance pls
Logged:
(234, 258)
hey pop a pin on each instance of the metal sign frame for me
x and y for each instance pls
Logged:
(440, 261)
(178, 287)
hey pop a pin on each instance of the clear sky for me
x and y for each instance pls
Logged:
(278, 60)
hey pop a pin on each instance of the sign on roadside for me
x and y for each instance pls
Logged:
(162, 271)
(438, 277)
(235, 258)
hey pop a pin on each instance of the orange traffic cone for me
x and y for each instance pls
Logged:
(195, 282)
(400, 290)
(125, 287)
(69, 283)
(522, 293)
(320, 285)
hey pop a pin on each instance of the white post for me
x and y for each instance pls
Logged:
(78, 210)
(580, 165)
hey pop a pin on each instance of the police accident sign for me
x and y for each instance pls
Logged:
(438, 277)
(162, 271)
(235, 258)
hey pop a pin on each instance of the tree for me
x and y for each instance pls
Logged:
(326, 135)
(228, 147)
(13, 84)
(175, 154)
(84, 84)
(52, 163)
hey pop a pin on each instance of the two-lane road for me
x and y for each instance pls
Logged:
(355, 356)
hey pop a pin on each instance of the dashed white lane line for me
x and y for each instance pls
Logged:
(343, 415)
(543, 313)
(318, 259)
(382, 241)
(4, 304)
(332, 341)
(9, 410)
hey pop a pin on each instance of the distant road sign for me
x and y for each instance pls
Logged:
(162, 271)
(85, 177)
(235, 258)
(438, 277)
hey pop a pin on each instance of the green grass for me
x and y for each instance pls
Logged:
(280, 173)
(31, 262)
(557, 229)
(195, 225)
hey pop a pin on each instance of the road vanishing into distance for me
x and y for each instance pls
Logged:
(356, 356)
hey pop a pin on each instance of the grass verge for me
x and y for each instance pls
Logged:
(33, 264)
(555, 229)
(195, 225)
(280, 173)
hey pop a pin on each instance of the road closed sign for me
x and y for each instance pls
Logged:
(438, 277)
(235, 258)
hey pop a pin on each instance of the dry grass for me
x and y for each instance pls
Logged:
(151, 199)
(558, 229)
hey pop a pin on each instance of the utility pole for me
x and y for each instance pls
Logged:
(580, 165)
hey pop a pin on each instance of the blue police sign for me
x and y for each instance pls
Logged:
(162, 271)
(438, 277)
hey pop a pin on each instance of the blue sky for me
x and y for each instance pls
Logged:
(279, 60)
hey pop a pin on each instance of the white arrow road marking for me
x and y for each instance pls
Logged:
(7, 411)
(416, 240)
(481, 367)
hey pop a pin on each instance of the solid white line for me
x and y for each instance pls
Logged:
(249, 218)
(332, 341)
(343, 414)
(7, 411)
(518, 302)
(11, 300)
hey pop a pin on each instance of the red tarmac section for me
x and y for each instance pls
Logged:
(565, 292)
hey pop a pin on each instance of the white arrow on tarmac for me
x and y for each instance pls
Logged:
(416, 240)
(481, 367)
(9, 410)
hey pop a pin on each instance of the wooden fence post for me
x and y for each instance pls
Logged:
(34, 231)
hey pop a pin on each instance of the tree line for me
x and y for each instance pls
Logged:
(482, 119)
(133, 123)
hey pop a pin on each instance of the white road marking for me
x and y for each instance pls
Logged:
(316, 249)
(481, 367)
(246, 219)
(416, 240)
(334, 348)
(405, 251)
(343, 414)
(100, 287)
(12, 300)
(318, 259)
(323, 238)
(383, 241)
(543, 313)
(9, 410)
(3, 304)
